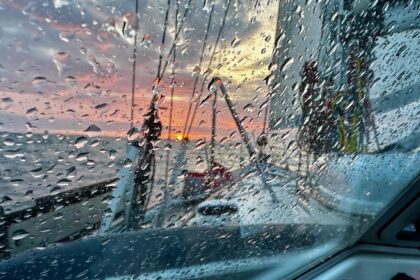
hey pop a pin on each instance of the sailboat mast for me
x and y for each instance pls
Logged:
(166, 191)
(213, 131)
(133, 77)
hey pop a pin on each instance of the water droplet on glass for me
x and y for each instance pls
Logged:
(13, 153)
(92, 89)
(60, 3)
(249, 108)
(66, 36)
(7, 100)
(95, 143)
(55, 190)
(83, 50)
(19, 234)
(39, 82)
(272, 67)
(82, 157)
(31, 110)
(235, 42)
(101, 106)
(29, 8)
(71, 172)
(109, 24)
(9, 142)
(29, 192)
(287, 63)
(102, 36)
(37, 172)
(80, 142)
(62, 56)
(63, 182)
(97, 67)
(130, 24)
(112, 154)
(60, 60)
(70, 81)
(270, 79)
(188, 31)
(93, 128)
(196, 70)
(110, 67)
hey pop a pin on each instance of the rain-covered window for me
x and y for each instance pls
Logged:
(211, 130)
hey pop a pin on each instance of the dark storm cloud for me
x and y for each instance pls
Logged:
(58, 49)
(36, 27)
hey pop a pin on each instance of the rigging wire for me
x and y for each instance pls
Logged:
(133, 77)
(257, 2)
(171, 102)
(213, 131)
(219, 34)
(266, 114)
(161, 71)
(206, 33)
(165, 26)
(160, 75)
(262, 140)
(213, 126)
(153, 104)
(177, 34)
(149, 195)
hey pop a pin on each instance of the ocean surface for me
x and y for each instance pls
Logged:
(35, 165)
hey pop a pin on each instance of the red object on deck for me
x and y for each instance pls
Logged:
(202, 183)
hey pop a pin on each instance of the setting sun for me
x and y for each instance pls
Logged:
(179, 135)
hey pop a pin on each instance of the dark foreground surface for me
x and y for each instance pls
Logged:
(138, 253)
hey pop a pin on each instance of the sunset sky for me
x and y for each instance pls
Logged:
(65, 65)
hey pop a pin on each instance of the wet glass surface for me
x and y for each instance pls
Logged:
(243, 133)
